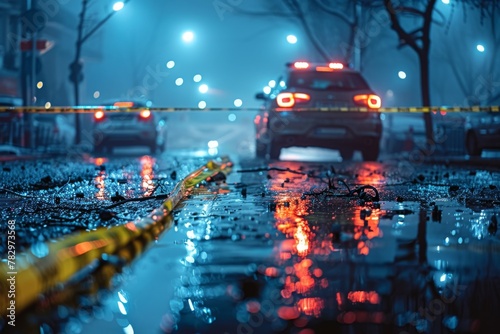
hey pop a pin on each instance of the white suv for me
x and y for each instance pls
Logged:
(128, 123)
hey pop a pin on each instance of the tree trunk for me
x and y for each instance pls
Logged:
(426, 95)
(423, 57)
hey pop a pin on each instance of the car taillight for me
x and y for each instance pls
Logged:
(371, 101)
(145, 115)
(99, 116)
(288, 100)
(301, 65)
(336, 66)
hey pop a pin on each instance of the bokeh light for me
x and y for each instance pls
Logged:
(203, 88)
(238, 103)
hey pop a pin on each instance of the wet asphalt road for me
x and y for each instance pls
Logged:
(280, 247)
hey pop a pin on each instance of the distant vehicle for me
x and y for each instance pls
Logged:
(140, 127)
(291, 114)
(482, 131)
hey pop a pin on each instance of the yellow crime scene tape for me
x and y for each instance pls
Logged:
(92, 109)
(70, 255)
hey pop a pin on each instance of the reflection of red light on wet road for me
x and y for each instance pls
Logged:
(288, 312)
(147, 174)
(371, 173)
(272, 272)
(302, 234)
(99, 183)
(311, 306)
(371, 297)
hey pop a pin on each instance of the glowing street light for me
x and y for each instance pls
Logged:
(480, 48)
(170, 64)
(203, 88)
(117, 6)
(188, 36)
(292, 39)
(446, 2)
(76, 67)
(402, 74)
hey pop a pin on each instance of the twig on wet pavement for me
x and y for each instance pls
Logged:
(136, 199)
(266, 169)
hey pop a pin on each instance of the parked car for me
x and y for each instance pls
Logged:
(482, 131)
(303, 110)
(128, 123)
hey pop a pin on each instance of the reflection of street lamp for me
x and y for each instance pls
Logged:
(76, 75)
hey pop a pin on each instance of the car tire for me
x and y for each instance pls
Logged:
(153, 148)
(346, 153)
(275, 151)
(370, 153)
(472, 145)
(260, 149)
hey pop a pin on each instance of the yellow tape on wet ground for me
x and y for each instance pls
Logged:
(66, 257)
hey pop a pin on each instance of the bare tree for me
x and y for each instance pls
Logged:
(419, 37)
(411, 20)
(476, 74)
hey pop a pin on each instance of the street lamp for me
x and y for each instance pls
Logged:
(203, 88)
(76, 67)
(117, 6)
(188, 36)
(292, 39)
(480, 48)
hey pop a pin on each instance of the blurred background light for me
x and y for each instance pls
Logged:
(203, 88)
(238, 103)
(292, 39)
(118, 6)
(188, 36)
(402, 75)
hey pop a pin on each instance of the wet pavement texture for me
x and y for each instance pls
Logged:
(281, 247)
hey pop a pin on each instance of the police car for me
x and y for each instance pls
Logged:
(319, 105)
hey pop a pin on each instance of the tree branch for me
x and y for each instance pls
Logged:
(396, 26)
(335, 13)
(294, 5)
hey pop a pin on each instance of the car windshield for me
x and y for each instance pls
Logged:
(332, 81)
